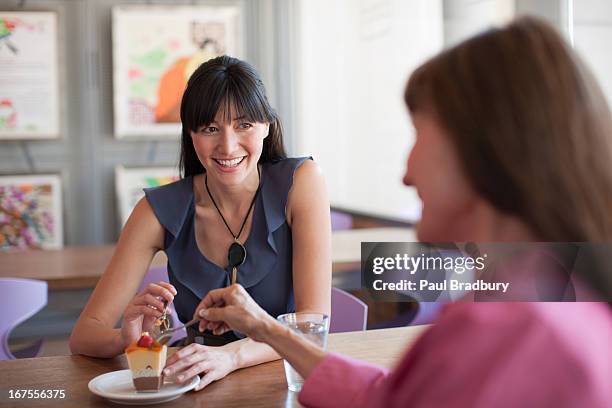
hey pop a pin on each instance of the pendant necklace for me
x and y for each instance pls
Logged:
(236, 254)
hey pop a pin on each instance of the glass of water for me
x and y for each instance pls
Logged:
(312, 326)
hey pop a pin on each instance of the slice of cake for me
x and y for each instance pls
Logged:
(146, 359)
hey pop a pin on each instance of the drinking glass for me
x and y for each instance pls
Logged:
(312, 326)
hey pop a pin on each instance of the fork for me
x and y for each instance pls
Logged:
(165, 336)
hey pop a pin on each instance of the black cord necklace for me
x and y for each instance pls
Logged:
(236, 254)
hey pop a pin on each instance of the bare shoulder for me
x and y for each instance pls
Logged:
(142, 213)
(144, 225)
(307, 175)
(308, 189)
(308, 170)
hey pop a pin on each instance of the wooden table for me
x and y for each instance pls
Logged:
(346, 245)
(81, 266)
(69, 268)
(260, 386)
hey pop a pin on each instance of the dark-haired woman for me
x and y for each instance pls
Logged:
(242, 213)
(513, 143)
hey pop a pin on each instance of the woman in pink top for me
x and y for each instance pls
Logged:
(514, 143)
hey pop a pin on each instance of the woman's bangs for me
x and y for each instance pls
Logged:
(202, 112)
(229, 106)
(245, 104)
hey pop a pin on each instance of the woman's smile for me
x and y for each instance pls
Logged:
(230, 164)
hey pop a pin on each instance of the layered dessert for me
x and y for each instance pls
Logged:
(146, 359)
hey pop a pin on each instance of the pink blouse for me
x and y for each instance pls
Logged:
(484, 355)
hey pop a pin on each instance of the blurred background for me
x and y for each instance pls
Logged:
(334, 70)
(89, 90)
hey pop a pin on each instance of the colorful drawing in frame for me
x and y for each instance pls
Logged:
(30, 212)
(29, 88)
(155, 51)
(129, 183)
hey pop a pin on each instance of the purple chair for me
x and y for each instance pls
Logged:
(427, 313)
(341, 221)
(348, 313)
(157, 274)
(20, 299)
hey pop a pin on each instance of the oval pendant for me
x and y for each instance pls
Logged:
(236, 254)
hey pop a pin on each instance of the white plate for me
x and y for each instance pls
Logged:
(118, 387)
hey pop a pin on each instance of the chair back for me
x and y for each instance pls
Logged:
(340, 221)
(348, 313)
(20, 299)
(427, 313)
(157, 274)
(424, 313)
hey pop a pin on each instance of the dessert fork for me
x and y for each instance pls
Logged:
(164, 336)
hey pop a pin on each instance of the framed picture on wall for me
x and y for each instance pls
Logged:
(29, 81)
(155, 51)
(129, 183)
(31, 212)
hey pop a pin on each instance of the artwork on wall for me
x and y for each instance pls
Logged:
(29, 89)
(155, 51)
(129, 183)
(30, 212)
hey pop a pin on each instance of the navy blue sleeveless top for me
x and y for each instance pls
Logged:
(267, 271)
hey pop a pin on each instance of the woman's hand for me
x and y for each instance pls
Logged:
(142, 311)
(214, 362)
(232, 308)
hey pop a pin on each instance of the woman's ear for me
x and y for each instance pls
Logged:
(267, 129)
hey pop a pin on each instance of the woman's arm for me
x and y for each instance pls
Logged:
(94, 333)
(308, 216)
(332, 380)
(232, 308)
(215, 363)
(302, 354)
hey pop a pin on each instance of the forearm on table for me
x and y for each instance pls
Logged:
(248, 352)
(302, 354)
(93, 340)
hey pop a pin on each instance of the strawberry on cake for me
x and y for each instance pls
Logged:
(146, 359)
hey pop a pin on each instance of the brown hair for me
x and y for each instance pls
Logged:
(531, 128)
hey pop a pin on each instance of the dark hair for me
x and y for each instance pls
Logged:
(218, 85)
(531, 127)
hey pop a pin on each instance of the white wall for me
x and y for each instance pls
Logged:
(355, 57)
(464, 18)
(593, 39)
